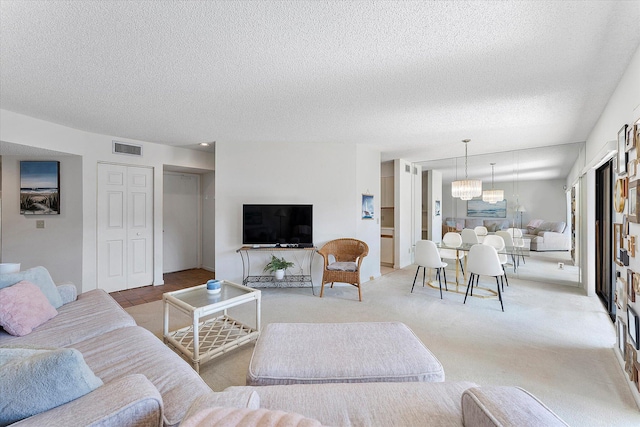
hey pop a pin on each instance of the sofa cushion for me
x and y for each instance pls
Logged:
(40, 277)
(494, 225)
(36, 380)
(23, 307)
(92, 314)
(505, 406)
(360, 404)
(135, 350)
(232, 417)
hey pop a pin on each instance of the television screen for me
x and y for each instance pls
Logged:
(277, 224)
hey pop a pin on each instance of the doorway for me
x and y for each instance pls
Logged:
(605, 271)
(181, 222)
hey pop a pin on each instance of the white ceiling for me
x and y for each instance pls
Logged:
(411, 79)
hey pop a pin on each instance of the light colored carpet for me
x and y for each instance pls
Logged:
(551, 340)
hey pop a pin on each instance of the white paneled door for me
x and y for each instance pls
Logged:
(180, 222)
(125, 227)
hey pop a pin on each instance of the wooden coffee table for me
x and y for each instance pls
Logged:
(212, 332)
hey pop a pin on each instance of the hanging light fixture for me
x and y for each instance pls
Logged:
(492, 196)
(466, 189)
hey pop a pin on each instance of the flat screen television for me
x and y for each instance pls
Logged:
(277, 224)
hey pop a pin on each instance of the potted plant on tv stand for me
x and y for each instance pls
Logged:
(277, 266)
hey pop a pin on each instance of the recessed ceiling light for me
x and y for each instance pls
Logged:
(204, 144)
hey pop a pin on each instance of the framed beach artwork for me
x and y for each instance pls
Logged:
(367, 206)
(480, 208)
(39, 188)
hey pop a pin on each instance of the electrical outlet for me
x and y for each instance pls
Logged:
(40, 223)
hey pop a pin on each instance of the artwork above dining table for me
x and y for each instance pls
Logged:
(481, 209)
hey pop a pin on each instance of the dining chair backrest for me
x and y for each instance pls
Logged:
(495, 241)
(483, 260)
(453, 240)
(506, 236)
(481, 230)
(515, 232)
(469, 236)
(427, 254)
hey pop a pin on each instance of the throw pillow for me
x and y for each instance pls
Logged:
(36, 380)
(40, 277)
(24, 307)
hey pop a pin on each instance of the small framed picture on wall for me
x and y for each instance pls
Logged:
(633, 327)
(622, 152)
(621, 335)
(632, 202)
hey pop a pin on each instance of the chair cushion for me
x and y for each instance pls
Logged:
(24, 307)
(62, 376)
(343, 266)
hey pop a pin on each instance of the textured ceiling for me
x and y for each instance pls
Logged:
(411, 79)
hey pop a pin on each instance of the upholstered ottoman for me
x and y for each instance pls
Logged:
(313, 353)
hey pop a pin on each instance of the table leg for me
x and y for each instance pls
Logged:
(258, 313)
(165, 323)
(196, 344)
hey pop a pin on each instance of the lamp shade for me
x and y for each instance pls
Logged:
(492, 196)
(521, 209)
(466, 189)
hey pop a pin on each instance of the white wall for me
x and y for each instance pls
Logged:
(432, 189)
(544, 199)
(404, 238)
(331, 177)
(93, 148)
(58, 245)
(369, 230)
(623, 107)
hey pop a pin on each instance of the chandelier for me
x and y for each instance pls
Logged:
(492, 196)
(466, 189)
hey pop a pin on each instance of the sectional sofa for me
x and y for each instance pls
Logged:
(547, 235)
(80, 360)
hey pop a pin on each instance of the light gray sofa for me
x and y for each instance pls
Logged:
(147, 384)
(547, 235)
(492, 224)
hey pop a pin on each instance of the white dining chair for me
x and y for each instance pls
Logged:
(427, 256)
(497, 242)
(481, 230)
(508, 241)
(452, 240)
(469, 236)
(482, 260)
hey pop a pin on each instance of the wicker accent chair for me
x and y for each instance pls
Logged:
(348, 255)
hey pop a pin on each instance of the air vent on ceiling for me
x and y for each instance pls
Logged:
(129, 149)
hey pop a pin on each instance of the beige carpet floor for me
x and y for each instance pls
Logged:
(551, 340)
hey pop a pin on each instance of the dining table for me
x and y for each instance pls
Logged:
(513, 251)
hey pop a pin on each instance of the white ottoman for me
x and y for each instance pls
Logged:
(313, 353)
